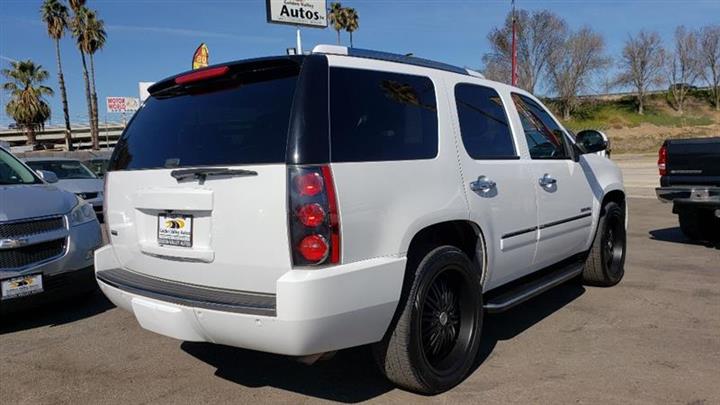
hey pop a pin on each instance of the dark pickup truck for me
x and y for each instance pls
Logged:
(690, 179)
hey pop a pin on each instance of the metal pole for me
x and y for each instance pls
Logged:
(514, 48)
(107, 136)
(299, 42)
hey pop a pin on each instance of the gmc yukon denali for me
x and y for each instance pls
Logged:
(304, 204)
(690, 180)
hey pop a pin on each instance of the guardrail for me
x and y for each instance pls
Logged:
(55, 137)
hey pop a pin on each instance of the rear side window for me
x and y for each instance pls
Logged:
(244, 121)
(378, 116)
(483, 123)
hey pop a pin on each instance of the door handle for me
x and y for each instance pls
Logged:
(546, 180)
(482, 184)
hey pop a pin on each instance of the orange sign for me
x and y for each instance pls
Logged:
(201, 57)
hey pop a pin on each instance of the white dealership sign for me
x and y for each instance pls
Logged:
(122, 104)
(308, 13)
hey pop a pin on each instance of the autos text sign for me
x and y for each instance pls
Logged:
(309, 13)
(122, 104)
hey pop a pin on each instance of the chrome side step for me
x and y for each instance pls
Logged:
(520, 293)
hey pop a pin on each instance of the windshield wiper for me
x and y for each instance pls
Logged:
(203, 174)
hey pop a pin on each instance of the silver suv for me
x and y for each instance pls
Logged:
(47, 237)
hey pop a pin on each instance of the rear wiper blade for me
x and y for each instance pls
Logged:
(203, 174)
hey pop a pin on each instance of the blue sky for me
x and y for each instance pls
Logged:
(151, 39)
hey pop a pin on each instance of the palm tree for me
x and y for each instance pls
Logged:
(352, 22)
(55, 15)
(96, 38)
(337, 18)
(27, 106)
(80, 31)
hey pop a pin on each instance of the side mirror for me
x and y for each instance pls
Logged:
(592, 141)
(48, 176)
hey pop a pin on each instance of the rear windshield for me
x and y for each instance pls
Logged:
(243, 122)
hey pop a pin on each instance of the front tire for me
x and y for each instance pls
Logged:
(437, 335)
(605, 265)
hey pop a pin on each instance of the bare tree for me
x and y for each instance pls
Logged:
(709, 59)
(572, 65)
(641, 64)
(538, 33)
(682, 67)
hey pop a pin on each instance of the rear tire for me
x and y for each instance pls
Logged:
(699, 224)
(437, 335)
(605, 265)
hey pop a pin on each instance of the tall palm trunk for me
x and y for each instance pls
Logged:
(89, 101)
(30, 132)
(63, 94)
(96, 126)
(338, 36)
(351, 42)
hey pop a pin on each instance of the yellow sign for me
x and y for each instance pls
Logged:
(201, 57)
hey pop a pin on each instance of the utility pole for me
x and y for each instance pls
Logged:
(513, 80)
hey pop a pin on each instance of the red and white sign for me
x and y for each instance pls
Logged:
(122, 104)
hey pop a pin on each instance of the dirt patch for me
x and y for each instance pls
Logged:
(647, 138)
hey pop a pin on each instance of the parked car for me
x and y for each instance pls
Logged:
(690, 180)
(98, 166)
(75, 177)
(305, 204)
(47, 238)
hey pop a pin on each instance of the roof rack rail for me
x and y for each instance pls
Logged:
(393, 57)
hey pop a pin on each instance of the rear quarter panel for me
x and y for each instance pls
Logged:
(384, 204)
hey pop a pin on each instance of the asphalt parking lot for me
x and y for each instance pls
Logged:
(655, 338)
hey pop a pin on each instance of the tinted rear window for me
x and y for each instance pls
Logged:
(244, 121)
(378, 116)
(483, 124)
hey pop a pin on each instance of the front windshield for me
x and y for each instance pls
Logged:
(13, 172)
(64, 169)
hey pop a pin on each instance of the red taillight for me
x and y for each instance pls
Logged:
(662, 160)
(309, 184)
(202, 75)
(311, 215)
(314, 221)
(334, 218)
(314, 248)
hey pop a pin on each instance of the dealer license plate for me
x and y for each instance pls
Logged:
(175, 230)
(21, 286)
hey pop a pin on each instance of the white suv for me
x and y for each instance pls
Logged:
(304, 204)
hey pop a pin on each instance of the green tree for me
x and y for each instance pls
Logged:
(55, 16)
(27, 106)
(336, 17)
(352, 22)
(80, 31)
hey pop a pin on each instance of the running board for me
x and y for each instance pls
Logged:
(531, 288)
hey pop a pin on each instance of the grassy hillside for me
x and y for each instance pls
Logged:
(630, 132)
